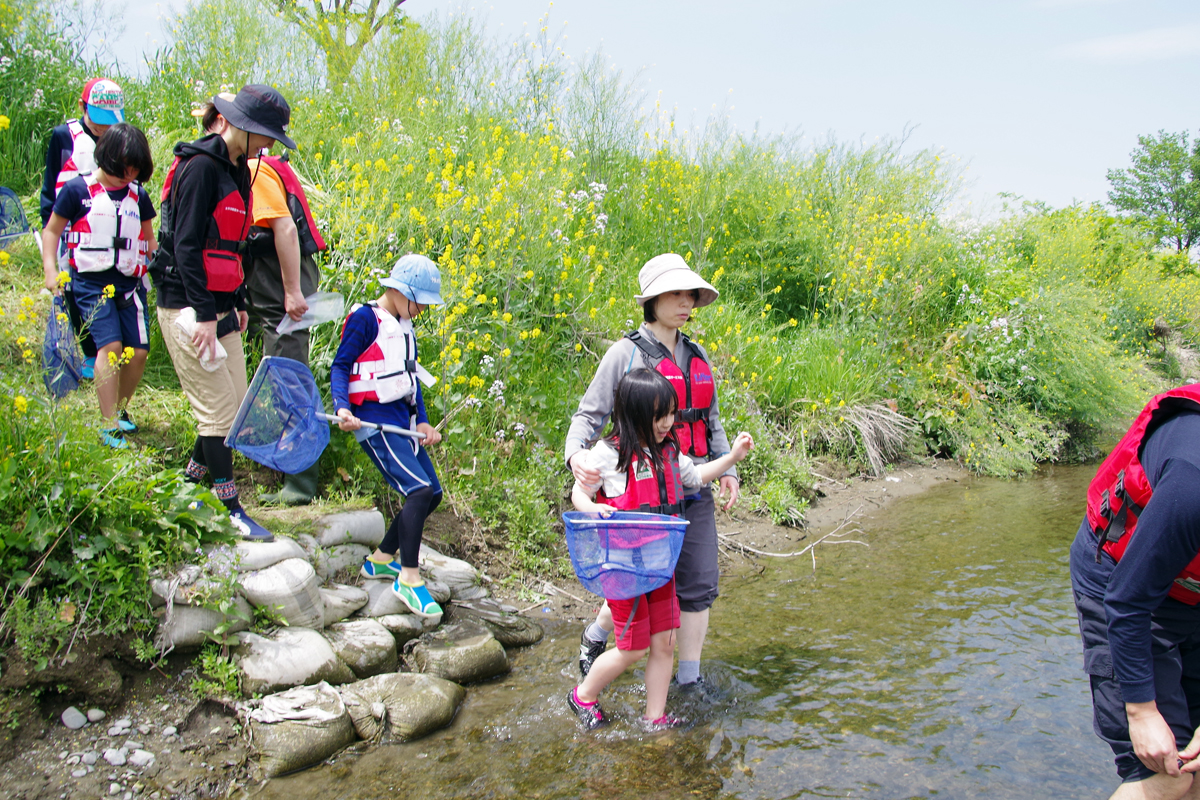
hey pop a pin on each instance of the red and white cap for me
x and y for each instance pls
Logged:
(104, 100)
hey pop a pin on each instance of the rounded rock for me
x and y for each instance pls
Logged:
(115, 757)
(78, 773)
(95, 714)
(114, 788)
(141, 758)
(116, 730)
(73, 718)
(89, 758)
(168, 731)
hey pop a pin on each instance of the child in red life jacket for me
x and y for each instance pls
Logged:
(106, 215)
(375, 377)
(641, 469)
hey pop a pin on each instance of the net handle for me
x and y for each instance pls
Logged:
(385, 428)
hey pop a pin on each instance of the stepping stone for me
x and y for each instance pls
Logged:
(73, 718)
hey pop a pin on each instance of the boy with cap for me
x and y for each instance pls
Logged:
(69, 155)
(376, 378)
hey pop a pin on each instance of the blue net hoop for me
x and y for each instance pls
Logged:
(276, 425)
(13, 224)
(62, 363)
(626, 555)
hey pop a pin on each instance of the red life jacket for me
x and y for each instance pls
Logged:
(227, 229)
(648, 489)
(387, 370)
(1120, 491)
(694, 386)
(306, 226)
(110, 235)
(81, 160)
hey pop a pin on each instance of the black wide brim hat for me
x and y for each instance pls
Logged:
(260, 109)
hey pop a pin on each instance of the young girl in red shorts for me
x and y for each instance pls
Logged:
(639, 463)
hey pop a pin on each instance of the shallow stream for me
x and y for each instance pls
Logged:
(941, 661)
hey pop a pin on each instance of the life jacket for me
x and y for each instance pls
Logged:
(648, 489)
(227, 229)
(694, 387)
(1120, 490)
(82, 158)
(387, 370)
(306, 226)
(110, 235)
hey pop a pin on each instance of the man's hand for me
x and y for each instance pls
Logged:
(1153, 741)
(243, 321)
(583, 472)
(728, 484)
(347, 421)
(431, 434)
(205, 339)
(295, 305)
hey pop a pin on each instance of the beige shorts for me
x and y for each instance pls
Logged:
(215, 396)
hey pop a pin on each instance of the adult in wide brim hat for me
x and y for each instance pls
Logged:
(260, 109)
(670, 273)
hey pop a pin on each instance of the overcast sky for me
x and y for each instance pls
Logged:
(1038, 97)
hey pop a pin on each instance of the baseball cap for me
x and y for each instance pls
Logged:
(104, 101)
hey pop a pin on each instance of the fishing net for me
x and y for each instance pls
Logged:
(13, 223)
(277, 424)
(62, 363)
(627, 554)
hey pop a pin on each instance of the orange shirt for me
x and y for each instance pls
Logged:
(270, 198)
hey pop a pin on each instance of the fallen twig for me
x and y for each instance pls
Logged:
(827, 479)
(532, 607)
(550, 588)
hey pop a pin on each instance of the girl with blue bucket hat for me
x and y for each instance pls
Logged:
(376, 378)
(642, 469)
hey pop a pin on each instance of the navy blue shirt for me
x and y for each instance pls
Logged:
(73, 204)
(57, 152)
(1166, 539)
(360, 332)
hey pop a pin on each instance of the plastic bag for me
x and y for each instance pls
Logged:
(322, 307)
(62, 363)
(187, 323)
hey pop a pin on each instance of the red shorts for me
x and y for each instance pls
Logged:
(654, 613)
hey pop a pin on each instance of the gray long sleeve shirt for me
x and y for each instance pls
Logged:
(596, 405)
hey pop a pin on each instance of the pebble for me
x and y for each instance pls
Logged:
(73, 718)
(63, 755)
(125, 722)
(168, 731)
(115, 757)
(144, 729)
(130, 744)
(89, 758)
(141, 758)
(72, 761)
(78, 773)
(95, 715)
(114, 788)
(116, 730)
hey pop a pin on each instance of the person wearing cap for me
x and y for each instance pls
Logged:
(376, 378)
(71, 153)
(205, 218)
(670, 290)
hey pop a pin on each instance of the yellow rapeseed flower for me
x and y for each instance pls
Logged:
(20, 404)
(109, 290)
(506, 352)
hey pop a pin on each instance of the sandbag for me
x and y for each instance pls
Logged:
(438, 591)
(463, 652)
(288, 657)
(329, 561)
(359, 527)
(364, 645)
(457, 575)
(381, 600)
(183, 626)
(511, 630)
(413, 705)
(300, 727)
(190, 585)
(250, 556)
(289, 589)
(406, 627)
(341, 601)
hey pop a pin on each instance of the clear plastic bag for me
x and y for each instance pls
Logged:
(322, 307)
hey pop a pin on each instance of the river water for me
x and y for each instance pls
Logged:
(940, 661)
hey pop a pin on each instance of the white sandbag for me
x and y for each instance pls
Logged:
(439, 591)
(329, 561)
(288, 657)
(364, 645)
(260, 555)
(413, 705)
(183, 626)
(381, 600)
(359, 527)
(289, 589)
(511, 630)
(309, 543)
(163, 585)
(300, 727)
(341, 601)
(462, 652)
(406, 627)
(460, 577)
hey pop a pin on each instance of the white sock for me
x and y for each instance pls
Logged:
(595, 633)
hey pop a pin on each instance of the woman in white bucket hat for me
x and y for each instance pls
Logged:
(670, 290)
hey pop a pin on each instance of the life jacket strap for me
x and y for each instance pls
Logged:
(228, 245)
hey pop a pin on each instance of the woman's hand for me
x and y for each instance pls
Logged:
(1153, 741)
(1189, 753)
(347, 421)
(431, 433)
(584, 472)
(742, 445)
(205, 339)
(730, 485)
(243, 321)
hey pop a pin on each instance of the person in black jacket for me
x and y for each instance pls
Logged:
(198, 273)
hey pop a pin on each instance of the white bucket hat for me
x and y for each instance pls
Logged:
(670, 273)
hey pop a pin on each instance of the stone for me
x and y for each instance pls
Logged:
(168, 731)
(124, 723)
(130, 744)
(462, 579)
(511, 630)
(141, 758)
(329, 561)
(90, 757)
(144, 729)
(63, 754)
(462, 652)
(78, 773)
(73, 718)
(114, 788)
(95, 714)
(364, 645)
(298, 728)
(413, 705)
(359, 527)
(116, 730)
(72, 761)
(289, 657)
(289, 589)
(341, 601)
(115, 757)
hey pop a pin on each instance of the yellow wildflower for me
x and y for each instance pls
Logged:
(20, 404)
(109, 290)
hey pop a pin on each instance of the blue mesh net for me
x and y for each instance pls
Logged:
(625, 555)
(62, 363)
(13, 223)
(276, 424)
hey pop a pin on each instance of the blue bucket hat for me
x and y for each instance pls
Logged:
(417, 278)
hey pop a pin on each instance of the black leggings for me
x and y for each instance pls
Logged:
(211, 452)
(404, 534)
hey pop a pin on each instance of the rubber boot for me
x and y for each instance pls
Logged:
(298, 489)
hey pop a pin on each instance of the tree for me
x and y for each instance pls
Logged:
(341, 28)
(1162, 188)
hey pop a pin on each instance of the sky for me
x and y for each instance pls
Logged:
(1038, 98)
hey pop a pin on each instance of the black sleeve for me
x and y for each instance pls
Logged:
(194, 199)
(60, 139)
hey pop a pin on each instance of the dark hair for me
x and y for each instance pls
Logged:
(648, 306)
(209, 118)
(123, 146)
(643, 395)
